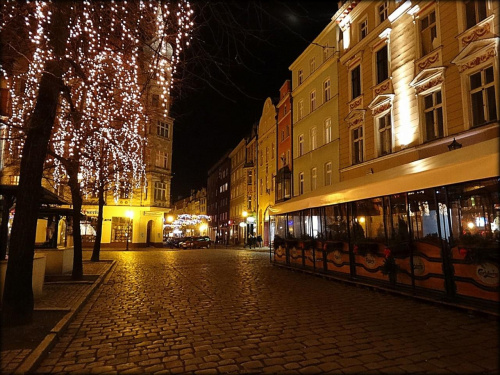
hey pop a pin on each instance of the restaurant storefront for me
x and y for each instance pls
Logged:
(439, 242)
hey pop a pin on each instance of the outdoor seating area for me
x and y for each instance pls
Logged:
(439, 242)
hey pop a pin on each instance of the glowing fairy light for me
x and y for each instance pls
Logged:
(101, 117)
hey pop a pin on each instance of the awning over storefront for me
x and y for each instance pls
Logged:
(466, 164)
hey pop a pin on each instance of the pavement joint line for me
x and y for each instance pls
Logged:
(33, 359)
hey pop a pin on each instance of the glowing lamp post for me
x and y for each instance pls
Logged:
(130, 215)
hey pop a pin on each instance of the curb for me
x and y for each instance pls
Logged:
(35, 357)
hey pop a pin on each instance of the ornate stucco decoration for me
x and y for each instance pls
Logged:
(428, 79)
(482, 30)
(476, 53)
(381, 103)
(355, 118)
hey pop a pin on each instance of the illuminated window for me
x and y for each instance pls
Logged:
(363, 29)
(314, 178)
(314, 138)
(301, 109)
(301, 183)
(357, 145)
(433, 116)
(328, 130)
(301, 145)
(428, 33)
(356, 82)
(300, 75)
(326, 91)
(313, 100)
(160, 190)
(475, 11)
(483, 99)
(161, 159)
(382, 60)
(384, 128)
(383, 11)
(163, 129)
(328, 174)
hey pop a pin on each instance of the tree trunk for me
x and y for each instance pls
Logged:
(97, 244)
(76, 200)
(8, 201)
(17, 306)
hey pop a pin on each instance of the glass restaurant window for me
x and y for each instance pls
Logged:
(336, 222)
(367, 221)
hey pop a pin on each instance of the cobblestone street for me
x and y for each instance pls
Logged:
(231, 311)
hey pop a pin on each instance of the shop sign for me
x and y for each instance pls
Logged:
(418, 266)
(370, 261)
(488, 273)
(149, 213)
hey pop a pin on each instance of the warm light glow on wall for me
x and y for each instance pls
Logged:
(406, 132)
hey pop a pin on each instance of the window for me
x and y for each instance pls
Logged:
(428, 33)
(483, 99)
(357, 145)
(163, 129)
(160, 191)
(433, 116)
(287, 133)
(475, 11)
(261, 157)
(313, 100)
(314, 178)
(249, 178)
(155, 100)
(301, 145)
(325, 52)
(272, 151)
(356, 82)
(267, 154)
(161, 159)
(384, 126)
(326, 91)
(284, 109)
(382, 60)
(328, 174)
(312, 65)
(301, 109)
(300, 76)
(301, 183)
(363, 29)
(282, 135)
(328, 130)
(314, 139)
(383, 11)
(288, 156)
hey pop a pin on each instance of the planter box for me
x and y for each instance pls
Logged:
(59, 261)
(39, 263)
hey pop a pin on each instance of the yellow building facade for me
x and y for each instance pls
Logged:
(416, 207)
(266, 167)
(315, 116)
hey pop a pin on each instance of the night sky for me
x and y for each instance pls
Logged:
(239, 56)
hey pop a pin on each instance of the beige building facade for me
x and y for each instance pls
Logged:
(315, 116)
(266, 167)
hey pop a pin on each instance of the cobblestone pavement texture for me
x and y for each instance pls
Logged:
(225, 311)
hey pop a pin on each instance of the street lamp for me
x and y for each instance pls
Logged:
(130, 215)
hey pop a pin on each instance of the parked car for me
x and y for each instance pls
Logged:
(197, 243)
